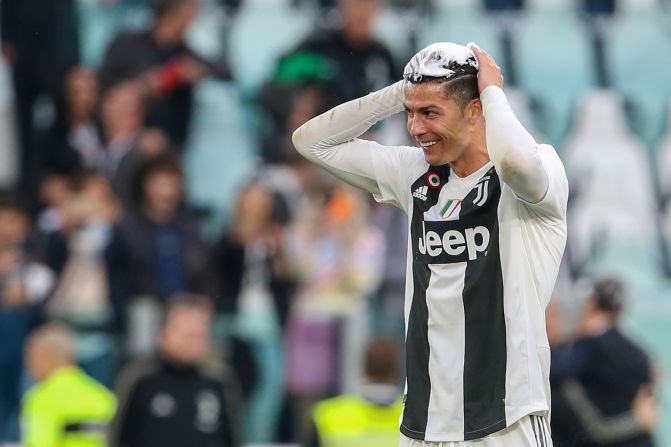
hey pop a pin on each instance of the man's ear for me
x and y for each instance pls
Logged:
(474, 109)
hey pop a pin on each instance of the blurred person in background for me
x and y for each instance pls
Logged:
(75, 140)
(603, 380)
(388, 301)
(175, 400)
(55, 193)
(256, 286)
(161, 243)
(295, 94)
(361, 63)
(86, 295)
(40, 44)
(369, 418)
(161, 63)
(24, 285)
(65, 408)
(127, 141)
(337, 255)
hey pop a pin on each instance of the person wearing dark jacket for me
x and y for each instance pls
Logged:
(603, 381)
(362, 64)
(253, 252)
(161, 243)
(160, 60)
(255, 289)
(174, 400)
(40, 43)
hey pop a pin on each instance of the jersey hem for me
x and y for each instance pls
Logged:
(512, 416)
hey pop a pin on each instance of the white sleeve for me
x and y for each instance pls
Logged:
(330, 140)
(534, 172)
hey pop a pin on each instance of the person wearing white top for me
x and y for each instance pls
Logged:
(486, 212)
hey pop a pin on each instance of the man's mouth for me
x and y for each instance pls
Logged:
(427, 144)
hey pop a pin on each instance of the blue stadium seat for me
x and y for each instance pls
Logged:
(220, 153)
(554, 65)
(639, 54)
(98, 24)
(8, 144)
(206, 34)
(392, 29)
(460, 24)
(663, 165)
(261, 33)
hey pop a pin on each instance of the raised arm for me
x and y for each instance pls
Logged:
(330, 139)
(513, 150)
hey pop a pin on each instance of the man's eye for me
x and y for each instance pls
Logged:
(430, 114)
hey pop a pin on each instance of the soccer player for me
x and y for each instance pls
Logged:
(486, 212)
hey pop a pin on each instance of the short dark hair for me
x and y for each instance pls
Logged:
(161, 7)
(166, 163)
(609, 295)
(462, 88)
(381, 361)
(11, 202)
(186, 300)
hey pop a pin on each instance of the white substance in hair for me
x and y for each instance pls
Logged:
(439, 60)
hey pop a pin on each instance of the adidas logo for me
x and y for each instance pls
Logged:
(421, 192)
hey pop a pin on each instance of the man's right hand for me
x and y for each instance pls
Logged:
(645, 408)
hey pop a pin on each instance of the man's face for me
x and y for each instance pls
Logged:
(357, 19)
(14, 227)
(122, 110)
(185, 14)
(163, 191)
(185, 339)
(437, 123)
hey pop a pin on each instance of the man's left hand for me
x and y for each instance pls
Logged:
(488, 72)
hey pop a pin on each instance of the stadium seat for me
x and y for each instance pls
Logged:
(98, 24)
(460, 24)
(554, 71)
(220, 153)
(392, 28)
(663, 158)
(638, 48)
(262, 31)
(8, 152)
(551, 6)
(612, 210)
(206, 35)
(521, 105)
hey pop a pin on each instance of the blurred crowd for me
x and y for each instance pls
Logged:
(106, 272)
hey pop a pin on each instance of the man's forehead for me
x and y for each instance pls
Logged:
(424, 95)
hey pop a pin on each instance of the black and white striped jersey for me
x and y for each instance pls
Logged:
(482, 263)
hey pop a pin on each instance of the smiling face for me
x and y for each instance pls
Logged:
(445, 132)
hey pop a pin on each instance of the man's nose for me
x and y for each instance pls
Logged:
(416, 127)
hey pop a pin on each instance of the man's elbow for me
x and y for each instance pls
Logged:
(299, 142)
(303, 145)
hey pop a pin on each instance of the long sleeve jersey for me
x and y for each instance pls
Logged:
(483, 255)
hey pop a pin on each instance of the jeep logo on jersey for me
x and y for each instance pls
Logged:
(455, 244)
